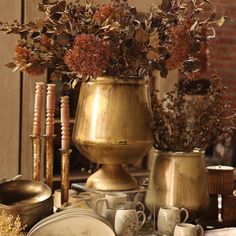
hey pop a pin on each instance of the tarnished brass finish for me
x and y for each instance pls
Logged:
(178, 179)
(110, 174)
(113, 127)
(49, 142)
(31, 200)
(65, 175)
(36, 149)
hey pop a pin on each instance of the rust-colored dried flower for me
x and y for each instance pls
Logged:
(179, 46)
(89, 55)
(116, 10)
(28, 62)
(45, 41)
(35, 69)
(22, 52)
(103, 13)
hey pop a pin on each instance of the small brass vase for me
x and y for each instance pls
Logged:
(178, 179)
(112, 128)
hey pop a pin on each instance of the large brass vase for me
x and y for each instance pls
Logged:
(113, 128)
(178, 179)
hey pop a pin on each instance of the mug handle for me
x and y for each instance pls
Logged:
(186, 214)
(200, 230)
(98, 201)
(141, 213)
(141, 206)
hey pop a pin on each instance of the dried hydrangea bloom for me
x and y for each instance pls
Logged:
(27, 62)
(115, 10)
(89, 55)
(103, 13)
(179, 46)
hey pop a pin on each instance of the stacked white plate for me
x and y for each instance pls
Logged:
(73, 222)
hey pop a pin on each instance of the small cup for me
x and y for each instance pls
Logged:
(168, 217)
(184, 229)
(127, 222)
(110, 201)
(57, 197)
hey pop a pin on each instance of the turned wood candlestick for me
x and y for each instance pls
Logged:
(65, 149)
(38, 108)
(36, 136)
(49, 137)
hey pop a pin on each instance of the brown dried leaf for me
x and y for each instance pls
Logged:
(141, 36)
(154, 40)
(153, 54)
(220, 21)
(194, 26)
(58, 8)
(11, 65)
(63, 39)
(166, 5)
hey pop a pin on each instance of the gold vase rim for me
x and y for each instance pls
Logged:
(195, 152)
(105, 143)
(117, 80)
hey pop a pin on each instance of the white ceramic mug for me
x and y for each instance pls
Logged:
(184, 229)
(106, 206)
(168, 217)
(127, 222)
(110, 201)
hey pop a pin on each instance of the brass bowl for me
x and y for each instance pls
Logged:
(31, 200)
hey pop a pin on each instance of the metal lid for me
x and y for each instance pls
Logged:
(220, 168)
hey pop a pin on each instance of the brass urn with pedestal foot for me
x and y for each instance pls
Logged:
(113, 128)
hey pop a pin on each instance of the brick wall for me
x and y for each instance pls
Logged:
(223, 51)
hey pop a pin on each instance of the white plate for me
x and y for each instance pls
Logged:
(66, 213)
(73, 225)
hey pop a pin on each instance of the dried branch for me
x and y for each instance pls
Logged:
(183, 122)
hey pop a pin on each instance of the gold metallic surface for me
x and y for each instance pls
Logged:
(178, 179)
(36, 149)
(49, 142)
(113, 125)
(31, 200)
(65, 175)
(110, 174)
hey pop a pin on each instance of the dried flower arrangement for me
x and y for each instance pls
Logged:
(183, 122)
(76, 41)
(10, 226)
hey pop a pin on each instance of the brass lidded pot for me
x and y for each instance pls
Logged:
(178, 179)
(113, 128)
(28, 199)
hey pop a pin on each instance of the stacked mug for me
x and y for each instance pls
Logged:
(221, 181)
(121, 213)
(169, 223)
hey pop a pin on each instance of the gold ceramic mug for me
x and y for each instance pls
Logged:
(168, 217)
(184, 229)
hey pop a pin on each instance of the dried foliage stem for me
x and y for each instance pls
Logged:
(76, 41)
(184, 121)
